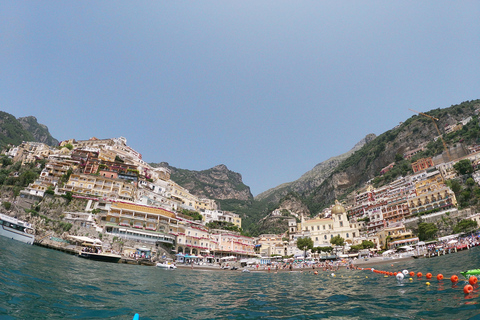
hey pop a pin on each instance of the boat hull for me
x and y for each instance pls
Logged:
(16, 235)
(100, 257)
(166, 266)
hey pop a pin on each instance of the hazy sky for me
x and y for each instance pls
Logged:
(268, 88)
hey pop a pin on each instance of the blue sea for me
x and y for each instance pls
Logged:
(39, 283)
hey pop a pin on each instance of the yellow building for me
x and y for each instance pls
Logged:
(141, 223)
(100, 186)
(268, 245)
(395, 235)
(205, 204)
(182, 195)
(322, 230)
(441, 198)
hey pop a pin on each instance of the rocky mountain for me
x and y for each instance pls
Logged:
(14, 131)
(217, 183)
(313, 178)
(39, 131)
(419, 130)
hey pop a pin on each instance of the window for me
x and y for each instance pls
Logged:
(347, 235)
(325, 237)
(323, 227)
(341, 223)
(316, 238)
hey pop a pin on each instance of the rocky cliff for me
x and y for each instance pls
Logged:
(15, 131)
(313, 178)
(217, 183)
(39, 131)
(11, 131)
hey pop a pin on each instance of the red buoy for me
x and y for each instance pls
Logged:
(439, 276)
(419, 274)
(428, 276)
(454, 278)
(467, 289)
(412, 273)
(472, 280)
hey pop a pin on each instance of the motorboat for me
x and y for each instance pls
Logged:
(94, 251)
(166, 265)
(102, 256)
(16, 229)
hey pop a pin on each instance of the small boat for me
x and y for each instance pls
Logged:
(166, 265)
(472, 272)
(16, 229)
(95, 252)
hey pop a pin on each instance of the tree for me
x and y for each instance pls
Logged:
(465, 225)
(7, 205)
(305, 244)
(463, 167)
(387, 240)
(367, 244)
(337, 241)
(455, 186)
(427, 231)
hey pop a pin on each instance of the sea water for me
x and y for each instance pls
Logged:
(39, 283)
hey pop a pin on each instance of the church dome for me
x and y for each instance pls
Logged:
(338, 208)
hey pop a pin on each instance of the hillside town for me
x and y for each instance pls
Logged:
(127, 199)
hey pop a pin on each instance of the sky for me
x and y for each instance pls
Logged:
(267, 88)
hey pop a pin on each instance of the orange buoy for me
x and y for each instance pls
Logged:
(473, 280)
(439, 276)
(412, 273)
(468, 289)
(428, 276)
(395, 274)
(419, 274)
(454, 278)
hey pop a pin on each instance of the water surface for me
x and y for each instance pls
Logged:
(38, 283)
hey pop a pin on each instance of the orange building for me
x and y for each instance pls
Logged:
(422, 164)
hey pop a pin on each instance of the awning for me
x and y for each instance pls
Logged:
(388, 252)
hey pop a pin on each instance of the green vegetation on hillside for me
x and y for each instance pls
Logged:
(12, 131)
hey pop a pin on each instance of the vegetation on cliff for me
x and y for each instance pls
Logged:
(15, 131)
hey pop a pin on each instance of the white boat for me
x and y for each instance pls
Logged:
(166, 265)
(16, 229)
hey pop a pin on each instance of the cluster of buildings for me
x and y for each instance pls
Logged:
(380, 215)
(129, 198)
(133, 200)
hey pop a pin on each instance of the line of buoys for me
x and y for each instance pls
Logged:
(400, 276)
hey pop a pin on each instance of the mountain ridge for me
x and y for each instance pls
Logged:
(14, 131)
